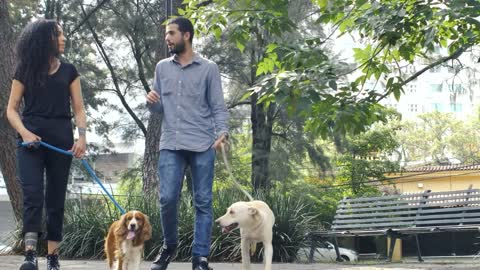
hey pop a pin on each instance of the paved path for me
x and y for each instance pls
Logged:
(12, 262)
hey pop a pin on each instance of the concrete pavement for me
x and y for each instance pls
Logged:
(9, 262)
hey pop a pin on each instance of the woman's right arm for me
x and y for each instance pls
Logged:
(13, 115)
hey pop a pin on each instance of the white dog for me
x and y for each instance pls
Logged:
(255, 220)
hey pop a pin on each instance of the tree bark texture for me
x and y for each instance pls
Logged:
(7, 134)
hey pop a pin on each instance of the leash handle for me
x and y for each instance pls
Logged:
(35, 144)
(230, 173)
(85, 164)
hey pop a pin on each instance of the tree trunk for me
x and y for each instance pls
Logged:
(262, 120)
(151, 154)
(262, 123)
(7, 134)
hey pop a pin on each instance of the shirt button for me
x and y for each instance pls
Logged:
(179, 81)
(178, 107)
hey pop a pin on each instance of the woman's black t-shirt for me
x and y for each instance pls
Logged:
(53, 99)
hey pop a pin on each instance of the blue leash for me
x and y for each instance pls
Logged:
(85, 164)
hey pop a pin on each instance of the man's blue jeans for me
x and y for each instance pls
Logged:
(171, 171)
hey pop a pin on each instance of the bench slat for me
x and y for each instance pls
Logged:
(415, 195)
(429, 200)
(423, 206)
(467, 216)
(409, 212)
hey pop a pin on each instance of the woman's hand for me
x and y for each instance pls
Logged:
(79, 147)
(29, 137)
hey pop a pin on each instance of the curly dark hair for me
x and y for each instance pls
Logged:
(36, 45)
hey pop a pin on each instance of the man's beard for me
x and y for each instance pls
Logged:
(178, 48)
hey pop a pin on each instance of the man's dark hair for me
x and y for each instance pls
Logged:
(184, 25)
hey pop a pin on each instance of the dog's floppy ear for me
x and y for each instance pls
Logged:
(121, 226)
(147, 229)
(252, 211)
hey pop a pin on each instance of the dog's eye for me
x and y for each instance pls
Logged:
(129, 218)
(232, 212)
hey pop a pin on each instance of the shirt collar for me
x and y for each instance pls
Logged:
(196, 59)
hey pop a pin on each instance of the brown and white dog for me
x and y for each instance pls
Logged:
(125, 241)
(255, 220)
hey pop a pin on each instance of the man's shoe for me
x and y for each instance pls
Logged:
(200, 263)
(52, 262)
(164, 257)
(30, 262)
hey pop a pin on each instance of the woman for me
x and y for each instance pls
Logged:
(49, 88)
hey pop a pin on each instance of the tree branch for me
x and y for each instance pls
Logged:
(281, 135)
(440, 61)
(233, 105)
(87, 16)
(114, 77)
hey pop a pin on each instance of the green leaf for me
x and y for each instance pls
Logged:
(240, 46)
(247, 95)
(332, 84)
(322, 3)
(271, 47)
(397, 92)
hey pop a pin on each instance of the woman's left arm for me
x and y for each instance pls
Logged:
(80, 145)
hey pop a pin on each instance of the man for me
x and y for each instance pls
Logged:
(187, 89)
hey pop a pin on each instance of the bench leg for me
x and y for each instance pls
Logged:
(313, 247)
(393, 240)
(418, 249)
(339, 259)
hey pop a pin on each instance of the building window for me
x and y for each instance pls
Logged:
(412, 107)
(437, 107)
(436, 88)
(412, 88)
(456, 88)
(456, 107)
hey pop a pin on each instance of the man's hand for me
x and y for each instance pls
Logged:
(153, 97)
(79, 147)
(222, 140)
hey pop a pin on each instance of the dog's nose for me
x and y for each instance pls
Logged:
(132, 226)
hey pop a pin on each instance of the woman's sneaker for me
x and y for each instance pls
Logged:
(52, 262)
(30, 262)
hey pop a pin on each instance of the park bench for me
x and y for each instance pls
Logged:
(398, 216)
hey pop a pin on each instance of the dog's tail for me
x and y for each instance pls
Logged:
(231, 174)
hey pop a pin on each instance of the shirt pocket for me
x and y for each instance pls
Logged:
(167, 86)
(194, 87)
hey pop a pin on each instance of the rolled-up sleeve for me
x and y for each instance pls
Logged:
(216, 100)
(156, 107)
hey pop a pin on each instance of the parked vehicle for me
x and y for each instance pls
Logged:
(326, 253)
